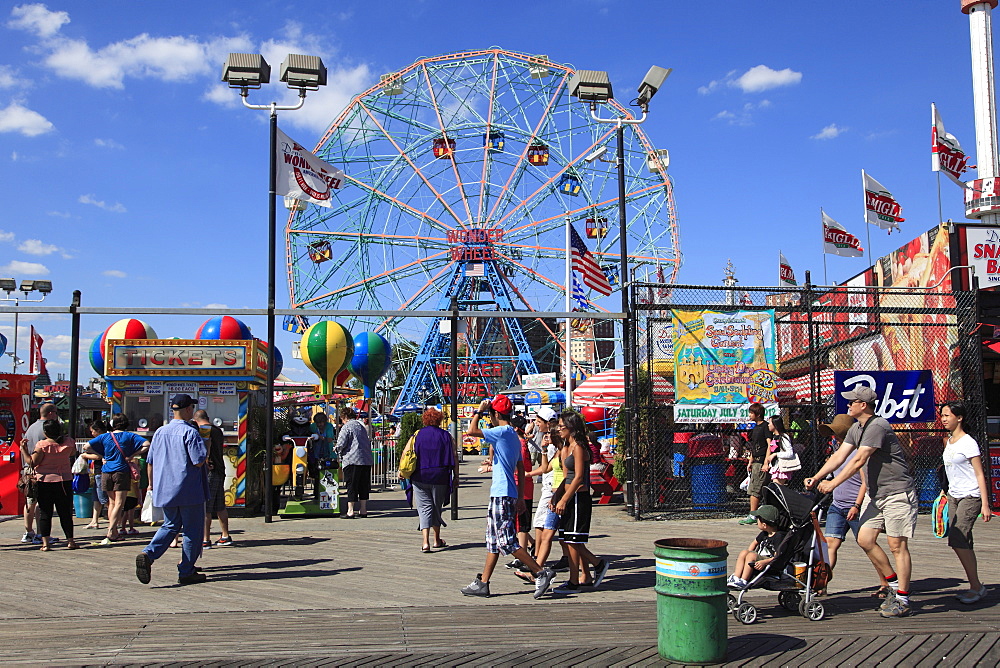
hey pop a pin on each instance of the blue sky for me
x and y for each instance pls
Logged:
(131, 173)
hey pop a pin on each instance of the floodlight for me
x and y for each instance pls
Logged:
(651, 83)
(246, 70)
(591, 86)
(596, 153)
(27, 286)
(45, 287)
(303, 72)
(8, 285)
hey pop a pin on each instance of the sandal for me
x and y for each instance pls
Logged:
(439, 545)
(426, 549)
(881, 592)
(527, 577)
(45, 548)
(92, 526)
(72, 546)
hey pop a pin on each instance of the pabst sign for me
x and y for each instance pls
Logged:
(903, 396)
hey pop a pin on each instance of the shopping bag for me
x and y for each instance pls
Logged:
(150, 513)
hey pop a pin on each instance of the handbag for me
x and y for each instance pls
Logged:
(132, 466)
(408, 460)
(150, 514)
(27, 483)
(939, 516)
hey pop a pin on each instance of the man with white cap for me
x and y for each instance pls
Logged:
(891, 505)
(180, 486)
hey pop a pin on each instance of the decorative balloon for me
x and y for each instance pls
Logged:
(3, 344)
(224, 327)
(97, 355)
(279, 363)
(326, 348)
(127, 328)
(371, 359)
(342, 377)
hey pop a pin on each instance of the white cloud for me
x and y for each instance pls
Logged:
(58, 341)
(6, 236)
(218, 306)
(222, 95)
(59, 214)
(13, 156)
(831, 131)
(36, 247)
(7, 78)
(17, 267)
(37, 19)
(762, 77)
(744, 117)
(117, 207)
(324, 105)
(754, 80)
(108, 143)
(17, 118)
(114, 273)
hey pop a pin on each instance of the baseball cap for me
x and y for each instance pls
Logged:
(769, 514)
(861, 393)
(501, 404)
(179, 401)
(518, 422)
(546, 413)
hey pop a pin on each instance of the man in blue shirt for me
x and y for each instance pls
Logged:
(177, 459)
(506, 501)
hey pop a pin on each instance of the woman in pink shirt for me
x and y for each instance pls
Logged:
(52, 459)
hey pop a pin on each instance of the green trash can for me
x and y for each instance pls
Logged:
(691, 619)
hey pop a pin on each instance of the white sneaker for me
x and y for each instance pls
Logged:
(28, 537)
(973, 596)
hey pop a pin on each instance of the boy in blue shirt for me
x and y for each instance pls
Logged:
(505, 497)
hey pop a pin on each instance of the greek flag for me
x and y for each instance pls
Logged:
(579, 296)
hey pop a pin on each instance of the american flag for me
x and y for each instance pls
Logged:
(579, 296)
(584, 263)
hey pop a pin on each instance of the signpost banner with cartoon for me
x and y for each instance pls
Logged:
(723, 361)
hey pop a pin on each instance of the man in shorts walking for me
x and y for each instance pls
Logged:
(216, 464)
(506, 500)
(759, 438)
(891, 506)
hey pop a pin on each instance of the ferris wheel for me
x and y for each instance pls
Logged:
(468, 159)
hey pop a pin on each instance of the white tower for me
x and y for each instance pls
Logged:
(982, 197)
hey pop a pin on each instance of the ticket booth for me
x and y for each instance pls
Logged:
(228, 379)
(15, 400)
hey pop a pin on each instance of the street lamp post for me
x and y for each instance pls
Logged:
(303, 73)
(9, 285)
(594, 87)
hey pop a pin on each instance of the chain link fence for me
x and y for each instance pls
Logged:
(695, 470)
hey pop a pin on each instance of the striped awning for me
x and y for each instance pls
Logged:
(543, 397)
(800, 388)
(608, 389)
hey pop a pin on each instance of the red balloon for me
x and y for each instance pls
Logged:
(594, 414)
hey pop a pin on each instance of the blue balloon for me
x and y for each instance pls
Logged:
(278, 363)
(3, 344)
(372, 358)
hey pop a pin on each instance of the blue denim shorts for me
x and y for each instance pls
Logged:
(837, 523)
(551, 521)
(102, 496)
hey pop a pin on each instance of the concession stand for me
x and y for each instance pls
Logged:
(227, 377)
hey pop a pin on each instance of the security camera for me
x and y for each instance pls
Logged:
(651, 83)
(596, 153)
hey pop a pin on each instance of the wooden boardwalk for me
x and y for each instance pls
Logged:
(360, 593)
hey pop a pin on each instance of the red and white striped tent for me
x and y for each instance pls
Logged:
(607, 389)
(800, 388)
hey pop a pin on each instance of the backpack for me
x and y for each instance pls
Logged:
(81, 483)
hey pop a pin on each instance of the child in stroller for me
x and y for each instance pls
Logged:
(760, 554)
(789, 535)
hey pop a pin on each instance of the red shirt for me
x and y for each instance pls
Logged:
(528, 492)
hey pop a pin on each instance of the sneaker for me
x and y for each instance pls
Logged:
(477, 588)
(561, 566)
(973, 596)
(143, 568)
(896, 609)
(106, 541)
(515, 564)
(889, 598)
(749, 519)
(600, 571)
(566, 588)
(224, 542)
(543, 580)
(28, 537)
(206, 544)
(193, 578)
(731, 581)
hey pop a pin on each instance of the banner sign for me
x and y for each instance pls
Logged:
(881, 208)
(947, 155)
(163, 358)
(982, 247)
(904, 396)
(837, 240)
(995, 474)
(786, 276)
(718, 413)
(724, 357)
(538, 381)
(302, 175)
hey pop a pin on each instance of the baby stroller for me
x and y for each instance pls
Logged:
(799, 545)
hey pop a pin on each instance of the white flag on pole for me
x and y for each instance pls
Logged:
(947, 155)
(785, 274)
(881, 208)
(837, 240)
(302, 175)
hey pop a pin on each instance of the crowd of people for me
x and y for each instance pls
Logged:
(873, 492)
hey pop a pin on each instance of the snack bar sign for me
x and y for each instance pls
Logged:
(180, 358)
(983, 247)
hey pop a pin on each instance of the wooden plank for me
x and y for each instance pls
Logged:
(940, 654)
(974, 653)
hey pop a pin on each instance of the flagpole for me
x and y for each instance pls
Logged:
(940, 212)
(569, 290)
(868, 226)
(826, 281)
